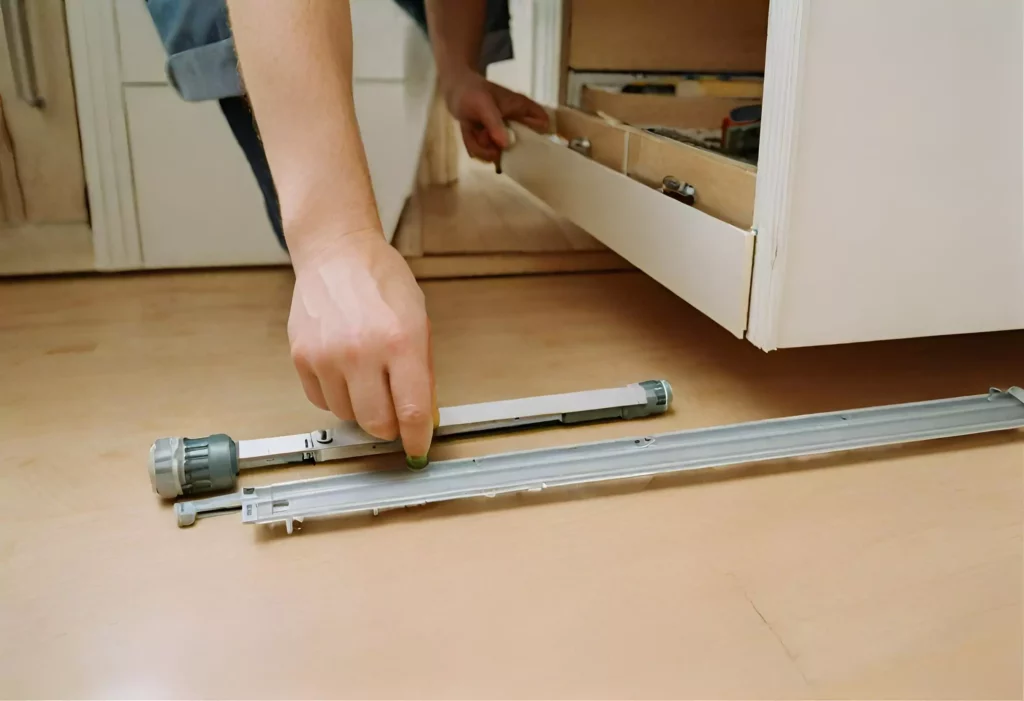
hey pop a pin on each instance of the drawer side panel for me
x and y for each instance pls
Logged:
(703, 260)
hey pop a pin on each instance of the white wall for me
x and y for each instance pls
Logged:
(517, 74)
(908, 199)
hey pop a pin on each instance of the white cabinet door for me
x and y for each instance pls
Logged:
(142, 55)
(907, 210)
(41, 173)
(44, 222)
(198, 202)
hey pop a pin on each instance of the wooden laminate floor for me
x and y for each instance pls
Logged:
(484, 224)
(485, 212)
(888, 574)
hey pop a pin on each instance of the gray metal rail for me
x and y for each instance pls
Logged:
(635, 457)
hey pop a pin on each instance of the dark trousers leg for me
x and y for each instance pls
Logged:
(243, 125)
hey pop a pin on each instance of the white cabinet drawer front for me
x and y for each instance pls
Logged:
(703, 260)
(382, 38)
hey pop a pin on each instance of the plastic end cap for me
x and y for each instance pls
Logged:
(165, 456)
(186, 513)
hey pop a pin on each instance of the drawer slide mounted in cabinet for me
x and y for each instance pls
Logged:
(680, 451)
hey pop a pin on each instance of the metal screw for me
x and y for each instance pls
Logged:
(580, 145)
(677, 190)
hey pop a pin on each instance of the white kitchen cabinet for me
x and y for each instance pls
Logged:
(912, 223)
(888, 196)
(886, 201)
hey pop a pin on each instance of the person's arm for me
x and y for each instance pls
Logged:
(296, 64)
(358, 325)
(456, 35)
(456, 30)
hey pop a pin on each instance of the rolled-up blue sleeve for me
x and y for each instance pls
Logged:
(201, 59)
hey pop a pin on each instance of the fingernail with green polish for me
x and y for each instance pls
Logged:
(416, 463)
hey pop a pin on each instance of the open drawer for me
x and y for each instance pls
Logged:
(703, 253)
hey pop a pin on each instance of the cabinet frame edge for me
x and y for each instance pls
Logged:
(106, 153)
(784, 72)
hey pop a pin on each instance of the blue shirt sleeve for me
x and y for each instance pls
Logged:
(201, 60)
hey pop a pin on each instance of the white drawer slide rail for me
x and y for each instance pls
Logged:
(680, 451)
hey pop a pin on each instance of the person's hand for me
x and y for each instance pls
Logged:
(482, 108)
(360, 339)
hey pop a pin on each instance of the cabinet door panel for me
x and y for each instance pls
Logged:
(198, 202)
(43, 140)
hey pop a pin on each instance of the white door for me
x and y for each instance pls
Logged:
(43, 214)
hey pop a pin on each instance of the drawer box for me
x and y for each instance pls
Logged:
(704, 36)
(703, 253)
(686, 112)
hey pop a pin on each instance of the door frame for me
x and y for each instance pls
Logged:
(96, 66)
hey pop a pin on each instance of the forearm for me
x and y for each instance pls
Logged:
(296, 63)
(456, 35)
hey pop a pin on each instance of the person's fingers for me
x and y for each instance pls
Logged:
(371, 401)
(307, 376)
(479, 144)
(489, 116)
(311, 386)
(411, 388)
(533, 115)
(335, 390)
(433, 380)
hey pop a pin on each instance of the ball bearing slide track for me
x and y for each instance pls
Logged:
(679, 451)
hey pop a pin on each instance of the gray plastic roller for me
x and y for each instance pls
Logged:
(182, 466)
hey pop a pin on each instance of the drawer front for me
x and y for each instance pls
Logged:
(382, 49)
(702, 259)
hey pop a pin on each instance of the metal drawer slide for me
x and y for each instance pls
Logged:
(636, 457)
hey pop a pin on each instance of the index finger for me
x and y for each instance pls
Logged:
(532, 115)
(412, 391)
